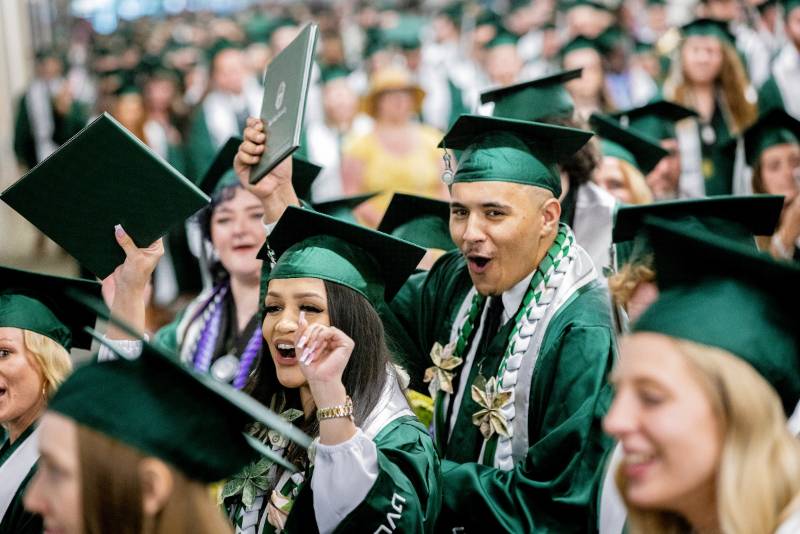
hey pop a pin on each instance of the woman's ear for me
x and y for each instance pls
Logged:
(157, 485)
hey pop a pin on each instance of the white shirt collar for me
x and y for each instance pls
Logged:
(513, 297)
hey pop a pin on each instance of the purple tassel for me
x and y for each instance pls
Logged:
(247, 359)
(208, 337)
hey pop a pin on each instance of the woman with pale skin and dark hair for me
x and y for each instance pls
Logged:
(772, 147)
(35, 339)
(709, 78)
(704, 385)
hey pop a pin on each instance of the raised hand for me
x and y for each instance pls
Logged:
(249, 154)
(325, 352)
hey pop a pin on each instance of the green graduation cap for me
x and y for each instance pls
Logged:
(220, 46)
(636, 148)
(313, 245)
(453, 11)
(656, 119)
(763, 6)
(161, 408)
(724, 295)
(789, 6)
(328, 73)
(602, 6)
(508, 150)
(303, 175)
(405, 33)
(581, 42)
(707, 27)
(101, 177)
(420, 220)
(734, 218)
(212, 181)
(342, 207)
(502, 37)
(37, 302)
(535, 99)
(776, 127)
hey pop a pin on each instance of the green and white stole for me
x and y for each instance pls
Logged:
(502, 396)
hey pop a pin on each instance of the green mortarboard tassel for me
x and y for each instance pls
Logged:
(507, 150)
(709, 28)
(308, 244)
(776, 127)
(420, 220)
(724, 295)
(734, 218)
(36, 302)
(656, 119)
(635, 148)
(534, 100)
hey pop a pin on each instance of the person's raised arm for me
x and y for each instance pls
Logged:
(275, 190)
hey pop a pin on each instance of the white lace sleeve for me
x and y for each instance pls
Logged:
(343, 476)
(130, 349)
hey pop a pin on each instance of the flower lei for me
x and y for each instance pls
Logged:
(495, 396)
(204, 349)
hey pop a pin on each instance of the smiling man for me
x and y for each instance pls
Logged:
(512, 331)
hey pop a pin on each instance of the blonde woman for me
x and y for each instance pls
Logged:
(34, 359)
(703, 388)
(708, 76)
(627, 156)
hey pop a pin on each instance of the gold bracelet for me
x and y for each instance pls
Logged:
(335, 412)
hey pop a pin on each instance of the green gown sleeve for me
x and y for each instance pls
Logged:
(17, 520)
(554, 489)
(427, 305)
(167, 335)
(406, 496)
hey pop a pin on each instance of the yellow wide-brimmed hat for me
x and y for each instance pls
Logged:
(391, 79)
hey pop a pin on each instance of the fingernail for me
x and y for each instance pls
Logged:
(302, 342)
(304, 356)
(118, 231)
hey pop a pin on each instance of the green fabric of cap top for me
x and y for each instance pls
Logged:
(636, 148)
(508, 150)
(776, 127)
(308, 244)
(579, 43)
(333, 72)
(706, 27)
(422, 221)
(656, 119)
(723, 295)
(36, 302)
(503, 37)
(535, 99)
(19, 311)
(736, 218)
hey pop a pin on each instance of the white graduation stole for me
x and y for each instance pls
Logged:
(16, 468)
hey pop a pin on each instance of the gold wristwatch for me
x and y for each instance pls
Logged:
(335, 412)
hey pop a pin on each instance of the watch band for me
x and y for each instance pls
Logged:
(335, 412)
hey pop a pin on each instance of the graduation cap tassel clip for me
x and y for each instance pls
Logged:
(447, 175)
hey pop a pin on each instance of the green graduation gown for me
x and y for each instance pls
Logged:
(405, 496)
(17, 520)
(554, 487)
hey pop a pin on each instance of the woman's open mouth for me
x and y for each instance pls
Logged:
(286, 354)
